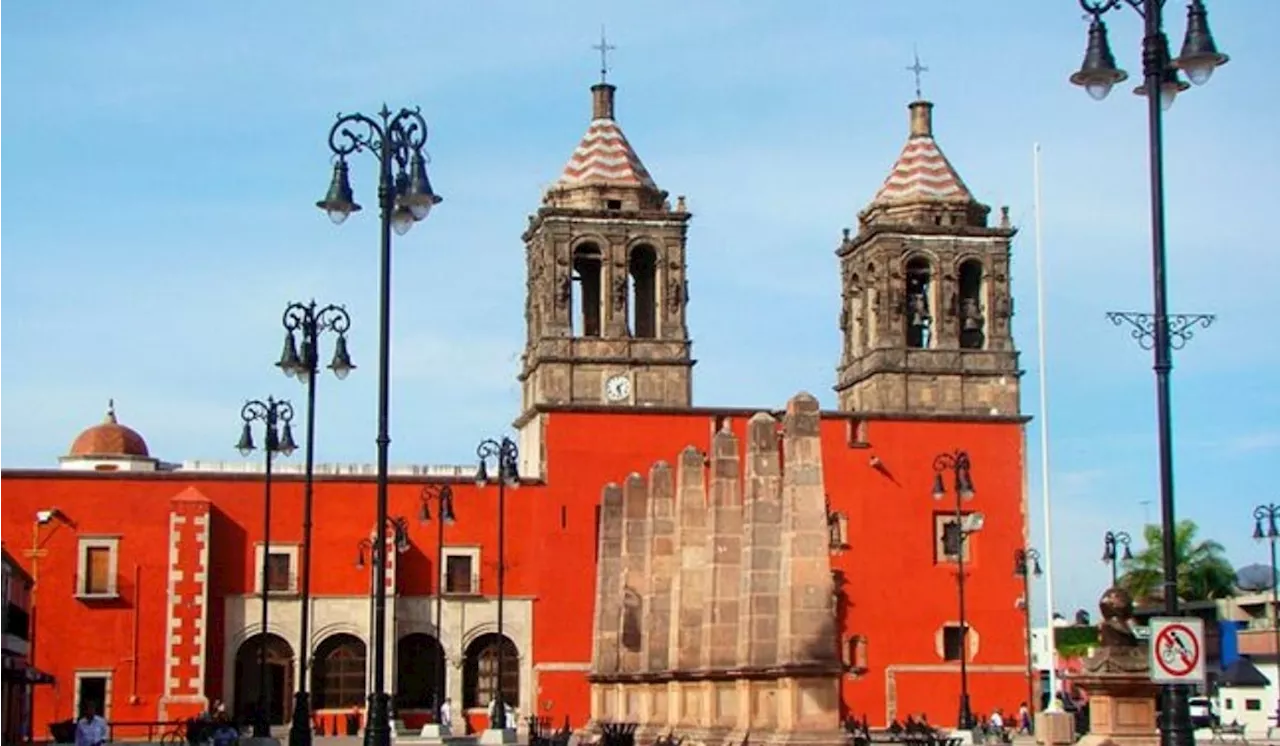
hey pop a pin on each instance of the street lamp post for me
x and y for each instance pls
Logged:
(308, 321)
(507, 457)
(273, 414)
(404, 197)
(1264, 528)
(954, 537)
(1158, 331)
(442, 495)
(1026, 564)
(1115, 549)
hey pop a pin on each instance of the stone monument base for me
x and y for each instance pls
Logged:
(1121, 720)
(1055, 728)
(498, 737)
(726, 707)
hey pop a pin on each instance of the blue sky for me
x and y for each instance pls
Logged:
(163, 161)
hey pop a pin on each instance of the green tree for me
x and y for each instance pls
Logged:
(1203, 570)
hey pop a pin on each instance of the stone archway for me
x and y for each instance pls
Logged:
(338, 675)
(480, 671)
(420, 672)
(278, 699)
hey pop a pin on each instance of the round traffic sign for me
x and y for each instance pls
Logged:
(1177, 650)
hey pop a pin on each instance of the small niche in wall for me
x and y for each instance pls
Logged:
(857, 433)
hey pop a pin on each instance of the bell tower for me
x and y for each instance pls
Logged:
(607, 290)
(926, 302)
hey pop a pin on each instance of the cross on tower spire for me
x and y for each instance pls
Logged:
(917, 68)
(604, 47)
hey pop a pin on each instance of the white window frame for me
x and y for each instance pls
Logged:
(95, 673)
(473, 553)
(112, 545)
(940, 554)
(260, 558)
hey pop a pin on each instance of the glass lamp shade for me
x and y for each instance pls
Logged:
(401, 220)
(1169, 89)
(286, 445)
(1200, 56)
(1098, 73)
(482, 474)
(289, 360)
(245, 445)
(341, 364)
(339, 202)
(418, 197)
(939, 490)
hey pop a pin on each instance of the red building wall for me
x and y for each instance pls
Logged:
(897, 597)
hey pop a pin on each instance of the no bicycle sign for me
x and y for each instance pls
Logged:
(1177, 650)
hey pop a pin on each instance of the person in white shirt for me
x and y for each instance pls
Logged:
(91, 729)
(446, 713)
(997, 722)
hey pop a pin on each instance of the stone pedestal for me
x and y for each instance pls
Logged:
(1055, 727)
(498, 737)
(435, 732)
(1122, 699)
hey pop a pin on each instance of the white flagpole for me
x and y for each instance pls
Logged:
(1044, 437)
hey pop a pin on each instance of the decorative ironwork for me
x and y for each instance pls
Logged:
(1181, 326)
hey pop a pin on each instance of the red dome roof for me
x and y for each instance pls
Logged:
(109, 439)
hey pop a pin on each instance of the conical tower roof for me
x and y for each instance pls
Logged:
(923, 184)
(604, 168)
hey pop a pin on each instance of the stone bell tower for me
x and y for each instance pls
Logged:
(926, 303)
(607, 288)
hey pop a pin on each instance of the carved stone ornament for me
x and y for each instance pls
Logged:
(1004, 307)
(1116, 628)
(1117, 661)
(563, 291)
(675, 295)
(619, 292)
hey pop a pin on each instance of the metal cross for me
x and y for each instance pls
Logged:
(917, 68)
(604, 47)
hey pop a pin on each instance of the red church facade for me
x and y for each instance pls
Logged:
(155, 633)
(149, 575)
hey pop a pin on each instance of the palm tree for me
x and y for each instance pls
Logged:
(1203, 570)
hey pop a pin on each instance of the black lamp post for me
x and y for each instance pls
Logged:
(1115, 549)
(273, 414)
(404, 197)
(442, 495)
(308, 321)
(507, 456)
(1026, 564)
(1264, 529)
(1158, 331)
(954, 537)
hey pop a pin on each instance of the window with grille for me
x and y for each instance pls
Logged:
(338, 673)
(279, 572)
(949, 540)
(458, 574)
(480, 673)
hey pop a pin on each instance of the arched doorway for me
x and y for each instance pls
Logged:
(480, 671)
(279, 693)
(338, 673)
(420, 674)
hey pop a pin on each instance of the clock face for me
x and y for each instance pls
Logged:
(617, 388)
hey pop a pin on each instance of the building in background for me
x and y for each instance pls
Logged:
(151, 572)
(19, 675)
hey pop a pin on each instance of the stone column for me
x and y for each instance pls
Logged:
(689, 596)
(761, 551)
(663, 565)
(635, 559)
(720, 630)
(806, 615)
(604, 653)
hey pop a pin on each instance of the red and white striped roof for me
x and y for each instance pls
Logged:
(605, 157)
(923, 173)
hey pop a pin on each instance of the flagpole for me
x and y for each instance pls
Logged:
(1046, 507)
